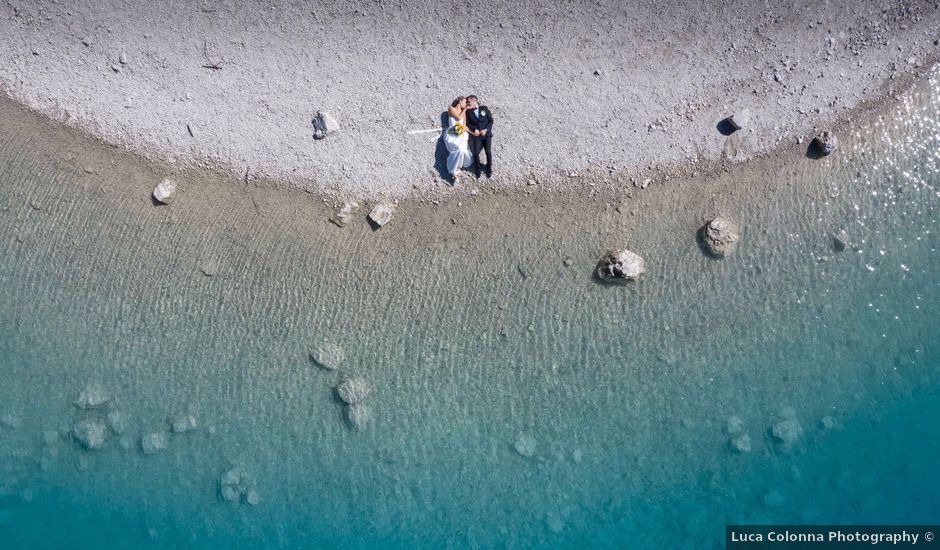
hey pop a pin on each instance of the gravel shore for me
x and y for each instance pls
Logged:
(601, 86)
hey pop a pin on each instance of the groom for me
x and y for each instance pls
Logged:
(480, 125)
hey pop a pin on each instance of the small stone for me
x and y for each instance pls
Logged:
(381, 214)
(116, 68)
(122, 57)
(525, 445)
(740, 119)
(153, 442)
(210, 267)
(740, 443)
(734, 426)
(183, 423)
(328, 356)
(10, 421)
(86, 41)
(117, 421)
(346, 214)
(840, 241)
(720, 237)
(92, 397)
(324, 125)
(353, 390)
(531, 182)
(825, 143)
(357, 415)
(165, 191)
(554, 523)
(91, 433)
(568, 262)
(646, 183)
(621, 266)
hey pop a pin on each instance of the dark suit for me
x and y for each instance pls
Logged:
(481, 119)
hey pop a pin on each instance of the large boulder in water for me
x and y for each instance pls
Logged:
(621, 266)
(720, 237)
(91, 433)
(92, 397)
(328, 355)
(353, 390)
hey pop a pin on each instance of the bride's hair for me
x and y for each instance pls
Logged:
(457, 101)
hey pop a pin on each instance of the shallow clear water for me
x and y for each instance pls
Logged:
(626, 392)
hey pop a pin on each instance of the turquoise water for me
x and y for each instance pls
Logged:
(506, 410)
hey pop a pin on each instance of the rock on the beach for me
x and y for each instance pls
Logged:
(740, 119)
(525, 445)
(381, 214)
(153, 442)
(353, 390)
(91, 433)
(182, 423)
(720, 236)
(357, 415)
(323, 125)
(165, 191)
(825, 143)
(328, 355)
(346, 213)
(621, 266)
(92, 397)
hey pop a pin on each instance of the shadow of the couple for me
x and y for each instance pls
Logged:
(440, 152)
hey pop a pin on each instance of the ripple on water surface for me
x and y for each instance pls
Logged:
(233, 367)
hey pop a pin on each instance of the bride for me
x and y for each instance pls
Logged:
(456, 139)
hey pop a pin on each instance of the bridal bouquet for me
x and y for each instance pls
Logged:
(458, 129)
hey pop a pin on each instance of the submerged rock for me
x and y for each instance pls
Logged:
(353, 390)
(235, 485)
(825, 143)
(153, 442)
(182, 423)
(357, 415)
(621, 266)
(91, 433)
(117, 421)
(720, 237)
(381, 214)
(92, 397)
(328, 355)
(324, 125)
(786, 431)
(740, 443)
(525, 445)
(346, 213)
(165, 191)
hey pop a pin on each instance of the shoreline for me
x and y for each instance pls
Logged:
(657, 138)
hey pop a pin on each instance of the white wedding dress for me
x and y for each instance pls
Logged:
(458, 148)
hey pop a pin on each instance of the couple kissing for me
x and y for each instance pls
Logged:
(469, 131)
